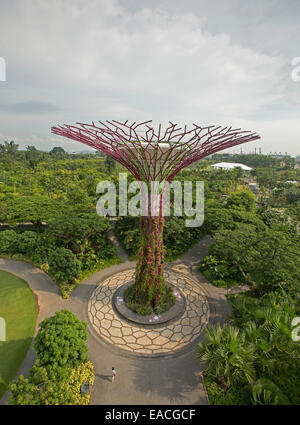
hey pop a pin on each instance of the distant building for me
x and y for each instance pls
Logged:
(230, 166)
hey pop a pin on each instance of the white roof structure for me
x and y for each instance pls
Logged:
(230, 166)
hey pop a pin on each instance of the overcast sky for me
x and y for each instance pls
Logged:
(202, 61)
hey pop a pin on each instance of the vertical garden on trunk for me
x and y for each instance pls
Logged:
(156, 157)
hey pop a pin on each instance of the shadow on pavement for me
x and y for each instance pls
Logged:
(177, 380)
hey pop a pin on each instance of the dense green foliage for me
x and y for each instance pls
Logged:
(70, 248)
(61, 341)
(86, 235)
(63, 265)
(253, 247)
(57, 189)
(61, 365)
(254, 356)
(177, 238)
(164, 303)
(252, 359)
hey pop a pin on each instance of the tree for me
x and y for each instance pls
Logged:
(242, 199)
(110, 164)
(59, 152)
(227, 355)
(33, 208)
(61, 341)
(265, 258)
(10, 148)
(8, 241)
(27, 242)
(74, 231)
(63, 265)
(266, 177)
(78, 199)
(33, 156)
(61, 365)
(158, 158)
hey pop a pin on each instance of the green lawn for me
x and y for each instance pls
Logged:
(18, 308)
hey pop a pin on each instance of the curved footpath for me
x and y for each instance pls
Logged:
(171, 379)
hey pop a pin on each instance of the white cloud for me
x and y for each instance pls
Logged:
(98, 60)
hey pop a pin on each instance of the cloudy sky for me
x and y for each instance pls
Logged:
(203, 61)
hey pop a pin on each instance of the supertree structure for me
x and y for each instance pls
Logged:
(158, 156)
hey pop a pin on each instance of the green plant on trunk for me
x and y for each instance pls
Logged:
(149, 293)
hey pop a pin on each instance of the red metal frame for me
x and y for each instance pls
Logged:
(121, 142)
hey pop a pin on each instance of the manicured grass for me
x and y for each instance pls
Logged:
(18, 308)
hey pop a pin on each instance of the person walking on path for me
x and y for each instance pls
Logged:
(113, 374)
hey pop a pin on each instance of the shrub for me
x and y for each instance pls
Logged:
(43, 250)
(8, 240)
(219, 272)
(77, 232)
(264, 391)
(164, 303)
(63, 265)
(42, 387)
(61, 366)
(242, 199)
(218, 396)
(61, 341)
(228, 356)
(82, 373)
(27, 243)
(258, 348)
(177, 237)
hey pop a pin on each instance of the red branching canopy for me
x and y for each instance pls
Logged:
(158, 155)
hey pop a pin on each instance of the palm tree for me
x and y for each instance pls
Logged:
(227, 355)
(9, 147)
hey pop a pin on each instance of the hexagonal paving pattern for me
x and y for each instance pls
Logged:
(165, 339)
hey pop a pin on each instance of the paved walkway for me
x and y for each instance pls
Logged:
(174, 379)
(164, 339)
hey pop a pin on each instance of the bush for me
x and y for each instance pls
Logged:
(218, 396)
(242, 199)
(43, 250)
(61, 366)
(177, 237)
(42, 387)
(27, 243)
(128, 232)
(264, 391)
(164, 303)
(258, 348)
(63, 265)
(81, 232)
(219, 272)
(61, 341)
(82, 373)
(8, 240)
(86, 235)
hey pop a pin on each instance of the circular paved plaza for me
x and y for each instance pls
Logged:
(152, 340)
